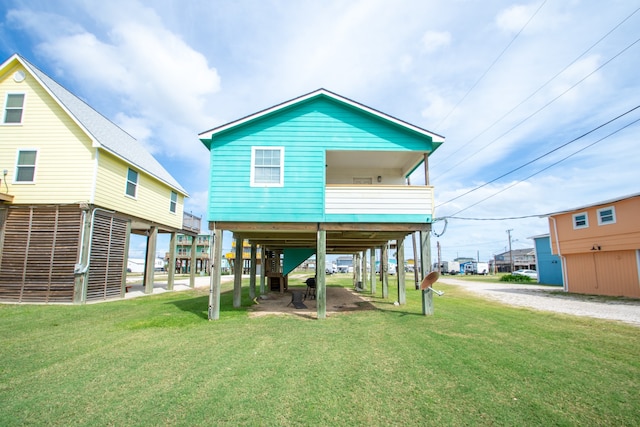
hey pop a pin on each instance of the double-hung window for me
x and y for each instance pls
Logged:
(607, 215)
(174, 202)
(13, 108)
(132, 183)
(26, 166)
(267, 166)
(580, 220)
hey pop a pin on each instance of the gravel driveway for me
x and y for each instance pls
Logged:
(544, 298)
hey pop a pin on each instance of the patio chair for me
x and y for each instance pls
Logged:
(296, 300)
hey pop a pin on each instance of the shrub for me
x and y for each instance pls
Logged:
(516, 278)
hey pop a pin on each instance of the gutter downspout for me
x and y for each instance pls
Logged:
(565, 284)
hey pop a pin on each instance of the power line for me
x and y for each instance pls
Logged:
(490, 66)
(541, 156)
(494, 219)
(540, 88)
(544, 169)
(541, 108)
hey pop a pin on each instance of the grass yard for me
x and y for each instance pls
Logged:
(490, 278)
(157, 361)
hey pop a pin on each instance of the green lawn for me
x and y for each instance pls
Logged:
(492, 278)
(157, 361)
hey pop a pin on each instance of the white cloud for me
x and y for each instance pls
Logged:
(197, 204)
(406, 61)
(433, 41)
(137, 127)
(513, 18)
(582, 69)
(159, 79)
(437, 109)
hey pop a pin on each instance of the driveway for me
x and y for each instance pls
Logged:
(546, 298)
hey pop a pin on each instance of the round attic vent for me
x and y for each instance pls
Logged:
(19, 76)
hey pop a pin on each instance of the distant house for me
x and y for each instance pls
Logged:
(523, 259)
(74, 186)
(320, 174)
(599, 245)
(245, 255)
(548, 265)
(343, 263)
(186, 255)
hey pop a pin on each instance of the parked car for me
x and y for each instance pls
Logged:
(529, 273)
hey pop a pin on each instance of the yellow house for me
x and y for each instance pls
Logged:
(73, 187)
(599, 246)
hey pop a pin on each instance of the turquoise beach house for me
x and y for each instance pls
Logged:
(320, 174)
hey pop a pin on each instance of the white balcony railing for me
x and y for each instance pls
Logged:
(191, 222)
(379, 199)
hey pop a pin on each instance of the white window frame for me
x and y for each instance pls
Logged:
(6, 108)
(126, 185)
(575, 217)
(35, 166)
(253, 183)
(613, 215)
(173, 202)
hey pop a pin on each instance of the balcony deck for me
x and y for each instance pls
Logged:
(378, 200)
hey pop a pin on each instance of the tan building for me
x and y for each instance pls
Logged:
(599, 245)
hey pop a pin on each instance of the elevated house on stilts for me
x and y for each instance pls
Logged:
(73, 188)
(319, 174)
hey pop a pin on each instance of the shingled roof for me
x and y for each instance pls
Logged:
(104, 133)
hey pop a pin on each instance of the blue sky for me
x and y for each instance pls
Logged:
(505, 82)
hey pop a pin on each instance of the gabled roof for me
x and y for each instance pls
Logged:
(104, 133)
(206, 136)
(593, 205)
(519, 252)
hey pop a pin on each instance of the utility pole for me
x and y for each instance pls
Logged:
(439, 257)
(510, 251)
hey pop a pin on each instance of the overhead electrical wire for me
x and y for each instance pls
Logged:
(539, 89)
(506, 218)
(543, 107)
(543, 169)
(541, 156)
(455, 107)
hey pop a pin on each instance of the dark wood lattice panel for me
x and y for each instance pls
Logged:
(107, 258)
(39, 253)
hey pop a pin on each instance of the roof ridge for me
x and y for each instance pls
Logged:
(331, 95)
(31, 65)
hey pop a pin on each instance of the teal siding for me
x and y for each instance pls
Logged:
(549, 265)
(306, 130)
